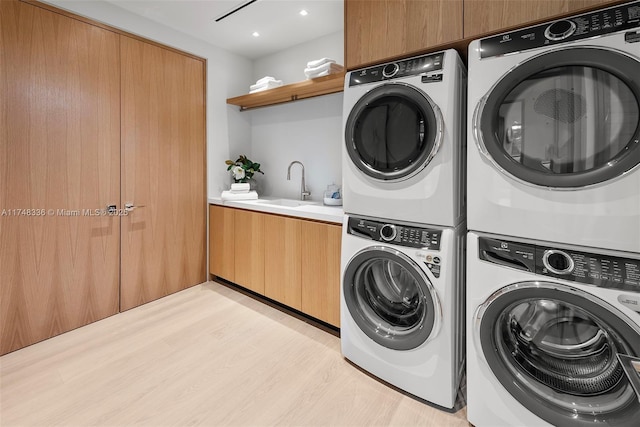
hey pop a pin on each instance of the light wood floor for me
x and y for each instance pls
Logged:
(207, 356)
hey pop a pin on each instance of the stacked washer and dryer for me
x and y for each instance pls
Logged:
(403, 235)
(553, 249)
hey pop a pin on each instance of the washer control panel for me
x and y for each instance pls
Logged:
(401, 235)
(593, 269)
(404, 68)
(601, 22)
(583, 267)
(560, 30)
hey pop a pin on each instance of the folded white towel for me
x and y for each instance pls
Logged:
(265, 86)
(323, 70)
(240, 186)
(228, 195)
(317, 62)
(314, 75)
(318, 69)
(265, 79)
(272, 83)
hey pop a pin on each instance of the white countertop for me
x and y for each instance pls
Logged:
(307, 209)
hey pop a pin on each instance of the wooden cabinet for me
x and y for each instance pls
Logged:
(249, 235)
(222, 242)
(236, 246)
(282, 267)
(485, 16)
(292, 261)
(321, 271)
(378, 29)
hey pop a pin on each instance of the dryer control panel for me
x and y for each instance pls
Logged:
(404, 68)
(401, 235)
(613, 19)
(600, 270)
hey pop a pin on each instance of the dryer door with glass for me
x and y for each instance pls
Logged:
(555, 349)
(390, 298)
(393, 132)
(568, 118)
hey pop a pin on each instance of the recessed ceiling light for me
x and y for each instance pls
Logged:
(304, 12)
(255, 34)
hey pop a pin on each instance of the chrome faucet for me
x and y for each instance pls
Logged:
(303, 188)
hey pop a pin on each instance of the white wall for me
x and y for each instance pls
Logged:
(309, 131)
(289, 64)
(227, 75)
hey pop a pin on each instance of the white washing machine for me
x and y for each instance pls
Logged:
(554, 131)
(404, 133)
(401, 310)
(553, 334)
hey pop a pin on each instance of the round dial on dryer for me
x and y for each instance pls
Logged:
(390, 70)
(557, 262)
(388, 232)
(560, 30)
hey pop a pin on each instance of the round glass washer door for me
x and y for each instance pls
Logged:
(554, 349)
(390, 298)
(564, 119)
(393, 132)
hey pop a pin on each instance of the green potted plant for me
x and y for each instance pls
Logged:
(243, 169)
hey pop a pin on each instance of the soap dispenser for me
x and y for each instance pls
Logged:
(333, 195)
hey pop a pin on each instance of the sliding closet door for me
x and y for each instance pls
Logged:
(163, 175)
(59, 165)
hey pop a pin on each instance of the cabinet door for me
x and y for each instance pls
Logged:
(378, 29)
(59, 161)
(249, 250)
(163, 151)
(484, 16)
(222, 242)
(282, 265)
(321, 271)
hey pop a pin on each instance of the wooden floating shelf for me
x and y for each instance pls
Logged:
(292, 92)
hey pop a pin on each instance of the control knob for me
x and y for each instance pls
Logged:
(557, 262)
(560, 30)
(390, 70)
(388, 232)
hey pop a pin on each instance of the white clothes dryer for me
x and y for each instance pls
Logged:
(404, 133)
(553, 334)
(554, 132)
(401, 310)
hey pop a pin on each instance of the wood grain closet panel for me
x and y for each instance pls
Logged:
(483, 16)
(249, 250)
(59, 152)
(282, 274)
(163, 150)
(321, 271)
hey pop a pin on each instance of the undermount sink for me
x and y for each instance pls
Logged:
(287, 202)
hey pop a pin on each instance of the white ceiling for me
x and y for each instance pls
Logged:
(278, 21)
